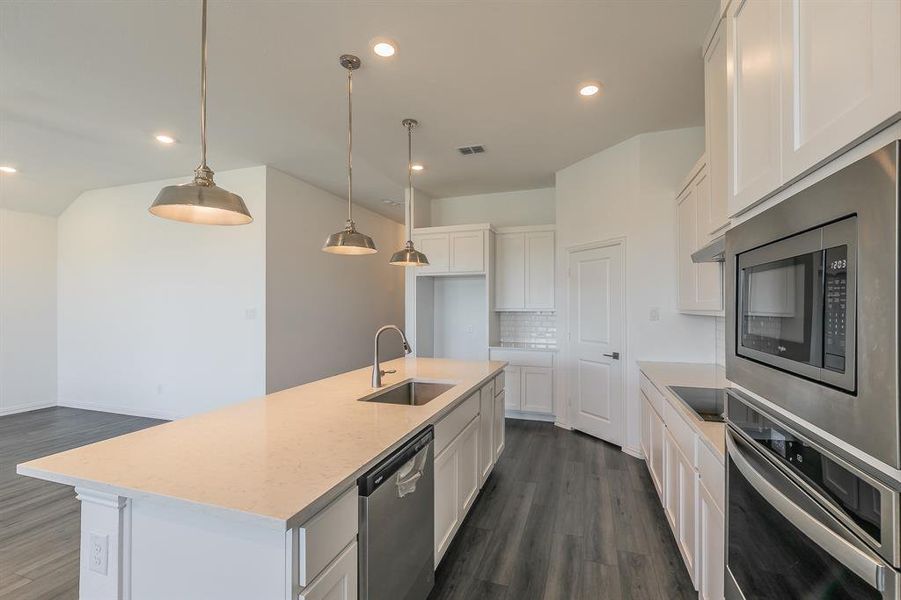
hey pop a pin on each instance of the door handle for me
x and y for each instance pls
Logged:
(613, 355)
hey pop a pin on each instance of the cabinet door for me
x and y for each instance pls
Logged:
(513, 388)
(753, 72)
(656, 442)
(499, 435)
(645, 427)
(338, 581)
(486, 431)
(715, 130)
(468, 469)
(688, 482)
(467, 252)
(537, 389)
(510, 260)
(671, 481)
(842, 75)
(711, 547)
(540, 270)
(447, 499)
(436, 246)
(686, 243)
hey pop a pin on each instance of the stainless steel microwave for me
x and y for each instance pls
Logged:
(812, 305)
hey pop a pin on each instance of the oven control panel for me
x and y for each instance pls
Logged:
(835, 313)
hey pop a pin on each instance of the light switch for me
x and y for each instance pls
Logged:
(654, 314)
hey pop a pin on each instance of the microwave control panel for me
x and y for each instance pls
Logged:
(835, 314)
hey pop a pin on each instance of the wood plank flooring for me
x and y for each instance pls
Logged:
(563, 517)
(39, 521)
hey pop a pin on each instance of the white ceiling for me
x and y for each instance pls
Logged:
(84, 85)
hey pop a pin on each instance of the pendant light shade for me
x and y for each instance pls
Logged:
(349, 241)
(409, 256)
(201, 201)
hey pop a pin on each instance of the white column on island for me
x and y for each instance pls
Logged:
(105, 557)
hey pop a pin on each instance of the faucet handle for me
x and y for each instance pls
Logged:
(389, 372)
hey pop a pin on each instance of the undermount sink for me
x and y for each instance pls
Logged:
(411, 393)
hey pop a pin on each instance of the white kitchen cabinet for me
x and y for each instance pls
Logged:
(754, 65)
(711, 546)
(338, 581)
(486, 431)
(510, 273)
(499, 435)
(841, 78)
(657, 450)
(467, 252)
(525, 268)
(716, 133)
(645, 425)
(537, 389)
(699, 285)
(454, 250)
(529, 382)
(679, 507)
(456, 485)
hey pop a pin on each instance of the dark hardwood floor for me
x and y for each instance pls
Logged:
(39, 521)
(563, 517)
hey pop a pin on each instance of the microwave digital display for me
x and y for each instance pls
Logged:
(836, 308)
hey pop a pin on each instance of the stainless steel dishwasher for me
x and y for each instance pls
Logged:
(397, 523)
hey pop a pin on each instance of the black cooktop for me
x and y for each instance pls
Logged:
(708, 403)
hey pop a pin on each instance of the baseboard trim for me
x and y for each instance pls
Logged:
(527, 416)
(21, 408)
(121, 410)
(633, 451)
(563, 425)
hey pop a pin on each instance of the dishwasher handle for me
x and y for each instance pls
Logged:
(398, 461)
(408, 477)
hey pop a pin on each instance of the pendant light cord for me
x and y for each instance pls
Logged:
(410, 181)
(350, 146)
(203, 175)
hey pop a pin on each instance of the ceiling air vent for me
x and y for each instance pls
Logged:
(467, 150)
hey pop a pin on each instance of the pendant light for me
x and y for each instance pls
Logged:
(349, 240)
(201, 201)
(409, 256)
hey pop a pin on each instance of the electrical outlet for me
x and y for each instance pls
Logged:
(99, 549)
(654, 314)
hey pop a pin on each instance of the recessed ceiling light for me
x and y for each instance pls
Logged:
(164, 139)
(417, 167)
(8, 169)
(384, 47)
(589, 89)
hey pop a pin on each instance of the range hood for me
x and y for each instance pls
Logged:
(713, 252)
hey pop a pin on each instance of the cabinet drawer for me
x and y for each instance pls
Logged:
(450, 426)
(652, 393)
(523, 358)
(499, 384)
(322, 538)
(683, 434)
(338, 581)
(713, 474)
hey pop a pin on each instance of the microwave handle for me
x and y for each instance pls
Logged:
(840, 549)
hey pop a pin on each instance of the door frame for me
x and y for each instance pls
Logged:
(566, 346)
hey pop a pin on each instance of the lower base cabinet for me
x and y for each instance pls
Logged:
(338, 581)
(499, 434)
(711, 547)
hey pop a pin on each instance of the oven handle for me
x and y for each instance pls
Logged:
(841, 550)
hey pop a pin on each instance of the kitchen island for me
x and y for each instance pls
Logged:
(258, 500)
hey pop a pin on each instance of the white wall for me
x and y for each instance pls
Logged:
(156, 317)
(323, 309)
(503, 209)
(27, 311)
(628, 191)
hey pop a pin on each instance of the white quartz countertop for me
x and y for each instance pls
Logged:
(663, 374)
(279, 458)
(524, 346)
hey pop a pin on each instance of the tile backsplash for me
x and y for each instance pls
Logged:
(537, 329)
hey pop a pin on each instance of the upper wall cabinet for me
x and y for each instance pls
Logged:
(525, 268)
(454, 250)
(753, 87)
(806, 80)
(841, 75)
(715, 128)
(699, 286)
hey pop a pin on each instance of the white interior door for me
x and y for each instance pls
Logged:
(595, 341)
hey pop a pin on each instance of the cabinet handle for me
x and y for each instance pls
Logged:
(613, 355)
